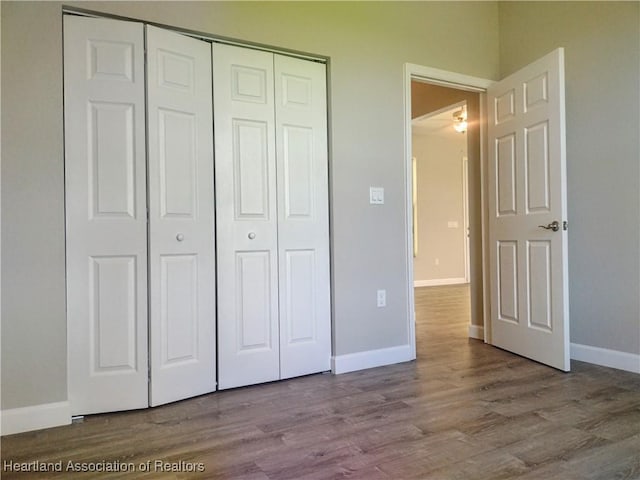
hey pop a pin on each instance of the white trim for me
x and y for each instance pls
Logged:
(476, 331)
(605, 357)
(465, 208)
(448, 79)
(439, 281)
(36, 417)
(409, 70)
(452, 80)
(352, 362)
(484, 220)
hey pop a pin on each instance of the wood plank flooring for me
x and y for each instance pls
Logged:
(463, 410)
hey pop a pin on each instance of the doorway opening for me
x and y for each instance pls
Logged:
(440, 208)
(445, 134)
(431, 92)
(517, 201)
(440, 219)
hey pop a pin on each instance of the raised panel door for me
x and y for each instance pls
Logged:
(181, 217)
(106, 227)
(527, 213)
(303, 216)
(246, 212)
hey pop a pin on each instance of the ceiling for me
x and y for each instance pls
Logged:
(440, 123)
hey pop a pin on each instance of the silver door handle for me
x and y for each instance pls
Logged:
(555, 226)
(180, 237)
(251, 235)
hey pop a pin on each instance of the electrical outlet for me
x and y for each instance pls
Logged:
(382, 298)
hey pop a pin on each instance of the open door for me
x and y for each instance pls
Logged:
(528, 212)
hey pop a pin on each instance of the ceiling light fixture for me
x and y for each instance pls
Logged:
(460, 120)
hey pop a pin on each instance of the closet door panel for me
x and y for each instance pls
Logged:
(299, 309)
(246, 213)
(254, 302)
(178, 310)
(181, 217)
(112, 165)
(303, 216)
(112, 299)
(251, 170)
(106, 227)
(177, 164)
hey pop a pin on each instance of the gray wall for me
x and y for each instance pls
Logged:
(602, 66)
(367, 43)
(33, 288)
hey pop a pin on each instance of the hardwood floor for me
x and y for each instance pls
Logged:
(463, 410)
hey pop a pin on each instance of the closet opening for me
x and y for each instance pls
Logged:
(191, 267)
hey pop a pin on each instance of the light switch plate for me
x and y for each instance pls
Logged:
(381, 298)
(376, 195)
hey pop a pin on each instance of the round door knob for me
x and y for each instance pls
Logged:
(251, 235)
(180, 237)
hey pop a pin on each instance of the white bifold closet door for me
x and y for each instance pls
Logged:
(247, 229)
(106, 214)
(303, 216)
(140, 293)
(272, 216)
(181, 217)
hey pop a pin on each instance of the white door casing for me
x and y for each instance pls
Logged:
(465, 208)
(106, 226)
(247, 243)
(526, 192)
(181, 217)
(461, 82)
(303, 216)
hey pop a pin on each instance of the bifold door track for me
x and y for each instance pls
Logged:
(199, 35)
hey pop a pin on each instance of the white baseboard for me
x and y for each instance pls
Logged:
(370, 359)
(25, 419)
(605, 357)
(439, 281)
(476, 331)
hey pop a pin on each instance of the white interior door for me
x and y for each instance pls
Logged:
(181, 217)
(527, 194)
(247, 244)
(303, 217)
(106, 224)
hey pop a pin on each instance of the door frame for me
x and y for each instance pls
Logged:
(461, 82)
(465, 203)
